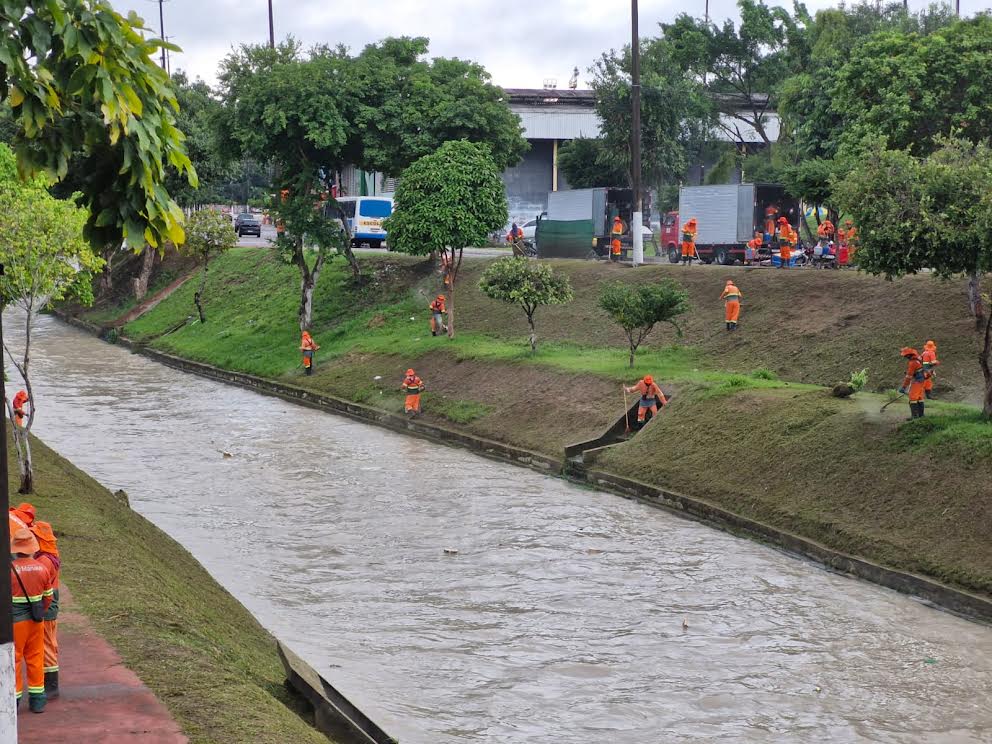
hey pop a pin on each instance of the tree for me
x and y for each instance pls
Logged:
(528, 284)
(675, 116)
(934, 213)
(45, 258)
(588, 163)
(639, 309)
(208, 235)
(445, 202)
(81, 82)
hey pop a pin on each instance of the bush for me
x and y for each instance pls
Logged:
(764, 374)
(859, 380)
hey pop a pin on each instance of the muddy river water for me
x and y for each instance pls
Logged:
(560, 619)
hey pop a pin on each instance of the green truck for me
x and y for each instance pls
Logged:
(578, 223)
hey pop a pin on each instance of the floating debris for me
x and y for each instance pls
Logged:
(817, 689)
(450, 551)
(227, 455)
(685, 624)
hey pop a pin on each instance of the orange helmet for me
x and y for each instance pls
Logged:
(930, 345)
(441, 297)
(648, 380)
(410, 373)
(908, 352)
(692, 221)
(783, 220)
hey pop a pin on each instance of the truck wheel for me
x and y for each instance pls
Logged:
(674, 256)
(375, 244)
(722, 257)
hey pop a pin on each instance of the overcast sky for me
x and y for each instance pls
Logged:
(520, 42)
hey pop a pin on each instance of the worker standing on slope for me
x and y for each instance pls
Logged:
(413, 386)
(616, 245)
(32, 585)
(689, 231)
(650, 396)
(438, 311)
(930, 362)
(914, 383)
(20, 413)
(309, 347)
(733, 297)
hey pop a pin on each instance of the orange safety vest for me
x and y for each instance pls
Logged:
(413, 385)
(438, 306)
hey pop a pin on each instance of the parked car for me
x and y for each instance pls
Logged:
(247, 224)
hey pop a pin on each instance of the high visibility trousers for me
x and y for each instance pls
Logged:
(308, 358)
(616, 249)
(29, 647)
(51, 645)
(733, 311)
(688, 249)
(413, 403)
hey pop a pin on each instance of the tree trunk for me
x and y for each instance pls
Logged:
(25, 463)
(975, 301)
(633, 350)
(107, 275)
(451, 308)
(985, 359)
(308, 283)
(198, 296)
(533, 332)
(147, 264)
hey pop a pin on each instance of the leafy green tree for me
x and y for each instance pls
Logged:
(80, 81)
(209, 234)
(676, 117)
(446, 202)
(639, 309)
(927, 213)
(526, 283)
(45, 258)
(588, 163)
(198, 112)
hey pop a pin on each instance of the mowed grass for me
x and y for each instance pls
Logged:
(192, 643)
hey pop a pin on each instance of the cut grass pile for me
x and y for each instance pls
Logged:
(192, 643)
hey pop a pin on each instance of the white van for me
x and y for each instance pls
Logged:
(365, 215)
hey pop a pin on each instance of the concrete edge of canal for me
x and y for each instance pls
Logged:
(951, 599)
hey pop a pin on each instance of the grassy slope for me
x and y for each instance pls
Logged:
(190, 641)
(780, 451)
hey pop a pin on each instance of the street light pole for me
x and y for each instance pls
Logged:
(636, 219)
(272, 29)
(161, 26)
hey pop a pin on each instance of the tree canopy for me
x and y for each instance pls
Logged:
(589, 163)
(638, 309)
(80, 81)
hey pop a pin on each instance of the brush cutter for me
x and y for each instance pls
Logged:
(626, 409)
(898, 397)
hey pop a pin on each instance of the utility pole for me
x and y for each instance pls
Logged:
(272, 29)
(635, 137)
(161, 25)
(8, 713)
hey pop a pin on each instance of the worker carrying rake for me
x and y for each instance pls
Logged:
(309, 347)
(650, 396)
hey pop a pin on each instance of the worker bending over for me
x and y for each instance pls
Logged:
(733, 297)
(309, 347)
(616, 245)
(930, 362)
(438, 311)
(20, 413)
(753, 248)
(689, 231)
(32, 586)
(516, 240)
(650, 396)
(914, 384)
(413, 386)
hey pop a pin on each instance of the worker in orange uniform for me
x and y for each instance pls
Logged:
(18, 404)
(616, 245)
(930, 362)
(751, 250)
(309, 347)
(413, 386)
(914, 384)
(689, 231)
(851, 236)
(733, 297)
(32, 586)
(516, 240)
(825, 230)
(438, 311)
(48, 553)
(650, 396)
(785, 242)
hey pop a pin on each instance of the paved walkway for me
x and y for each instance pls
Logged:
(102, 701)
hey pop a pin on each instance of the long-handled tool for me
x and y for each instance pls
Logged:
(626, 409)
(891, 402)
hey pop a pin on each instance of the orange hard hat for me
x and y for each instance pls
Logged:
(22, 541)
(908, 351)
(441, 297)
(648, 380)
(410, 373)
(783, 220)
(930, 345)
(25, 510)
